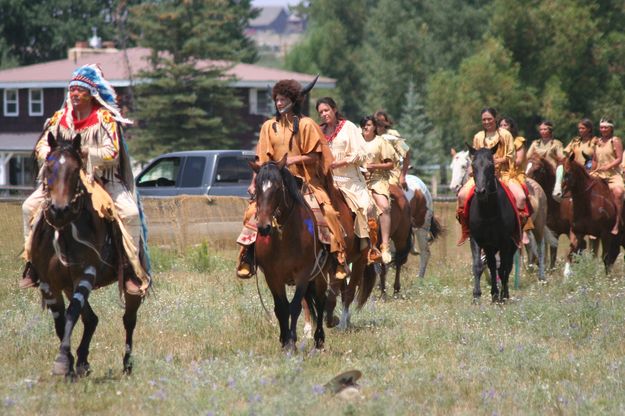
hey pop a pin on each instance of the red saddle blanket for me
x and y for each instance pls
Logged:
(518, 230)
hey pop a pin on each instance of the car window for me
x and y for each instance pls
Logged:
(161, 174)
(233, 169)
(193, 172)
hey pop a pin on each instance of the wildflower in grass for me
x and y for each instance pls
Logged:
(318, 389)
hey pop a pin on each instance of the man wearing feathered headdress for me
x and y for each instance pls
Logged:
(91, 110)
(308, 157)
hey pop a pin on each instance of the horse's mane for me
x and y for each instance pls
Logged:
(271, 172)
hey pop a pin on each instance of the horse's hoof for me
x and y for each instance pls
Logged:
(83, 369)
(61, 366)
(333, 321)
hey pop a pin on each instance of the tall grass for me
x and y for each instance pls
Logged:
(203, 346)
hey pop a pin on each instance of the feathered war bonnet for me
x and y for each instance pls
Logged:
(91, 77)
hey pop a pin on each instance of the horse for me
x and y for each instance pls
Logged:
(425, 226)
(493, 225)
(401, 235)
(459, 166)
(594, 210)
(559, 211)
(76, 251)
(289, 252)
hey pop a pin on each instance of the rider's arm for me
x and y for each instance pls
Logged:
(107, 150)
(307, 159)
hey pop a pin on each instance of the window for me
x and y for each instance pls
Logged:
(261, 102)
(193, 172)
(233, 169)
(11, 103)
(35, 102)
(163, 173)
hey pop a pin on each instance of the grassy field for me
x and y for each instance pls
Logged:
(203, 345)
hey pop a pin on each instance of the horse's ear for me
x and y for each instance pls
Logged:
(254, 165)
(470, 148)
(52, 143)
(494, 148)
(76, 143)
(453, 152)
(282, 162)
(572, 156)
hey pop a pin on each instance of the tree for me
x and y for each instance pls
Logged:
(186, 101)
(38, 30)
(416, 129)
(332, 48)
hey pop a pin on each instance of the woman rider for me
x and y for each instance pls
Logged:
(547, 147)
(584, 144)
(504, 159)
(384, 125)
(308, 157)
(381, 159)
(348, 148)
(606, 164)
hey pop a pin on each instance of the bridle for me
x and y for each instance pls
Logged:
(283, 209)
(76, 204)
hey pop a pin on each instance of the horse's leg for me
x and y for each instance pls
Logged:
(90, 322)
(281, 308)
(348, 295)
(424, 250)
(383, 271)
(295, 308)
(611, 248)
(336, 286)
(130, 321)
(491, 262)
(478, 268)
(307, 320)
(541, 260)
(573, 248)
(506, 261)
(55, 304)
(397, 285)
(64, 363)
(316, 295)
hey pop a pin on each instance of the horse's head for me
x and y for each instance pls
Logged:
(276, 191)
(460, 162)
(540, 170)
(61, 181)
(575, 175)
(483, 166)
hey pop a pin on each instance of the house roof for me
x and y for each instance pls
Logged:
(267, 16)
(55, 74)
(18, 142)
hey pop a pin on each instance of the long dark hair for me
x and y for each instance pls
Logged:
(514, 130)
(330, 102)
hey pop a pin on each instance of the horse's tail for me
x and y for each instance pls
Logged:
(366, 286)
(436, 229)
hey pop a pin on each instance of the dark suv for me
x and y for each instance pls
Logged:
(197, 172)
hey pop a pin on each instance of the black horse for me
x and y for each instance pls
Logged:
(493, 225)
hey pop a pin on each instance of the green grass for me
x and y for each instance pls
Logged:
(203, 345)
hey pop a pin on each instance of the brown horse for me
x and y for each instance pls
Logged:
(559, 213)
(401, 235)
(536, 249)
(594, 210)
(76, 251)
(288, 250)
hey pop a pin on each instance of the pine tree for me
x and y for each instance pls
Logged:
(186, 101)
(416, 129)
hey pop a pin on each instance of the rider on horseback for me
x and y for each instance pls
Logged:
(504, 169)
(91, 110)
(308, 158)
(348, 148)
(402, 162)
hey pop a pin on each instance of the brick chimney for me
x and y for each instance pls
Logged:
(81, 49)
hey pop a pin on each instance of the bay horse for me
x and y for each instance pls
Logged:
(289, 252)
(401, 235)
(74, 252)
(425, 226)
(493, 225)
(594, 210)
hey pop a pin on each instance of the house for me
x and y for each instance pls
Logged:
(276, 30)
(271, 18)
(30, 94)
